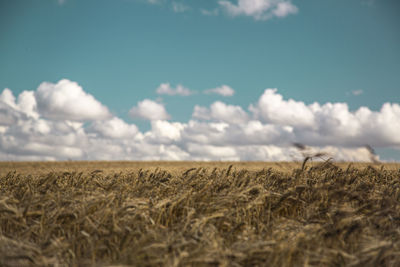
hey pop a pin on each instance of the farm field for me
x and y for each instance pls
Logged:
(173, 167)
(199, 214)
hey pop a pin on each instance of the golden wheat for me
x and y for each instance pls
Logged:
(316, 215)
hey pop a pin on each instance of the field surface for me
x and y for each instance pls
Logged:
(199, 214)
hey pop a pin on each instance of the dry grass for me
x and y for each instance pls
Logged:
(199, 215)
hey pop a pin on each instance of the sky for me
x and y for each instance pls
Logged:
(199, 80)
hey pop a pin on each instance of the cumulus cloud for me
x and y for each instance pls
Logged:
(330, 123)
(166, 89)
(149, 110)
(164, 132)
(11, 110)
(266, 131)
(114, 128)
(223, 90)
(220, 111)
(42, 139)
(66, 100)
(259, 9)
(271, 108)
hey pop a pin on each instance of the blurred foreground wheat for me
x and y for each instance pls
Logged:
(318, 216)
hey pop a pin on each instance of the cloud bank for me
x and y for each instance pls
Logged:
(61, 121)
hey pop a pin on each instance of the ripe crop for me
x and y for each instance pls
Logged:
(321, 214)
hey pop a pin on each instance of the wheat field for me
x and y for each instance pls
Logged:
(199, 214)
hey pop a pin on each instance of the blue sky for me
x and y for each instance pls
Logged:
(120, 51)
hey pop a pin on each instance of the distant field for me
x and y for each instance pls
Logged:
(176, 167)
(199, 214)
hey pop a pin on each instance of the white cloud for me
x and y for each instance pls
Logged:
(11, 110)
(271, 108)
(42, 138)
(218, 132)
(225, 134)
(219, 111)
(164, 132)
(223, 90)
(114, 128)
(8, 115)
(7, 97)
(284, 9)
(179, 7)
(330, 123)
(149, 110)
(27, 104)
(166, 89)
(61, 2)
(66, 100)
(259, 9)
